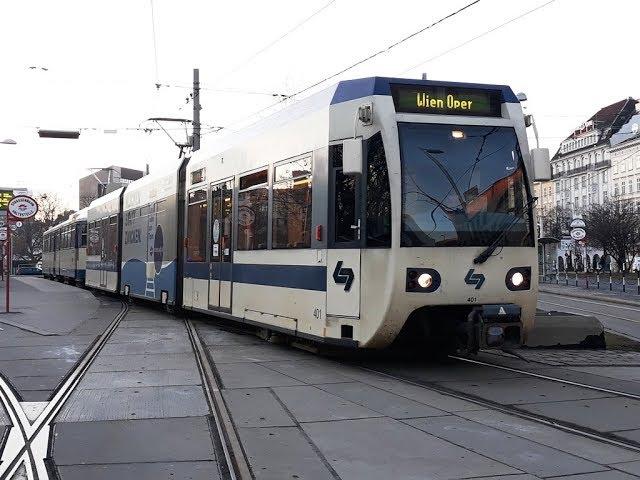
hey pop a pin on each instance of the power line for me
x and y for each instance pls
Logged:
(487, 32)
(393, 45)
(273, 42)
(366, 59)
(223, 90)
(155, 47)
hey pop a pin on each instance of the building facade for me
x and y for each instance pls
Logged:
(625, 163)
(104, 181)
(581, 169)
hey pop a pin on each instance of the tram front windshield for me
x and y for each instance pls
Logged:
(463, 186)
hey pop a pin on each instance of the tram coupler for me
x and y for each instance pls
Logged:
(491, 326)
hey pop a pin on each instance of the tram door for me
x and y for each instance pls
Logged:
(343, 257)
(104, 224)
(221, 249)
(56, 242)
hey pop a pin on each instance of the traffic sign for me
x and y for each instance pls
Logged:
(13, 227)
(18, 224)
(3, 236)
(23, 207)
(578, 233)
(577, 223)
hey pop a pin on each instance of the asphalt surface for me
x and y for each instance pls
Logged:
(141, 411)
(617, 318)
(50, 327)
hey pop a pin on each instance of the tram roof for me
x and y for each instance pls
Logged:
(347, 90)
(73, 218)
(340, 92)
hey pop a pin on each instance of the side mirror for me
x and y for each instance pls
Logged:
(352, 156)
(541, 164)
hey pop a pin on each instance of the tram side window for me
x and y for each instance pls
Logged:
(94, 239)
(378, 195)
(292, 204)
(197, 226)
(253, 211)
(82, 228)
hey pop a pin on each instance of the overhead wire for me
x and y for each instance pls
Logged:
(274, 42)
(487, 32)
(361, 61)
(155, 47)
(387, 49)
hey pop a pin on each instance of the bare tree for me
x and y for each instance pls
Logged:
(556, 222)
(615, 228)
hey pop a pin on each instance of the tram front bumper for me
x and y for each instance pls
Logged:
(492, 326)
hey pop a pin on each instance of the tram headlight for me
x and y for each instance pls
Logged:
(422, 280)
(518, 278)
(425, 280)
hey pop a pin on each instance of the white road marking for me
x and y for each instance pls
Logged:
(603, 304)
(31, 439)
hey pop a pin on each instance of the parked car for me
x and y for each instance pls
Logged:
(28, 270)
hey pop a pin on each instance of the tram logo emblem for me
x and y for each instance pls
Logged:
(343, 276)
(476, 279)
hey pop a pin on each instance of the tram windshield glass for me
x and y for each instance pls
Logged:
(463, 186)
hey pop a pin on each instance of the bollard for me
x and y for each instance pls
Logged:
(576, 278)
(624, 285)
(558, 278)
(586, 279)
(638, 282)
(598, 280)
(610, 282)
(566, 278)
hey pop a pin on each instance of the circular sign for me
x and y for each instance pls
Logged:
(13, 227)
(577, 223)
(3, 236)
(23, 207)
(216, 230)
(578, 233)
(18, 224)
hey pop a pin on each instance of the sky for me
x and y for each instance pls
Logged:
(570, 57)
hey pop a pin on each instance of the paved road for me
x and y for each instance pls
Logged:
(620, 319)
(140, 411)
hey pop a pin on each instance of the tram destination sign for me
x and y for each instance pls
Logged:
(442, 100)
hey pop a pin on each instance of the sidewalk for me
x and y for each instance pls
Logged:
(592, 293)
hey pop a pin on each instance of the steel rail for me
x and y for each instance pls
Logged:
(237, 467)
(547, 377)
(512, 410)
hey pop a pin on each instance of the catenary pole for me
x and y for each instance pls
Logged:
(196, 110)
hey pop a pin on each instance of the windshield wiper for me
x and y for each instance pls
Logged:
(486, 253)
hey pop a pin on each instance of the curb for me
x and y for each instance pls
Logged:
(621, 301)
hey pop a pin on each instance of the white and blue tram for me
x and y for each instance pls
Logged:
(104, 222)
(150, 238)
(377, 208)
(64, 249)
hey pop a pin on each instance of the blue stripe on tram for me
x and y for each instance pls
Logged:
(305, 277)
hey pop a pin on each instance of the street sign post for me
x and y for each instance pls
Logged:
(20, 207)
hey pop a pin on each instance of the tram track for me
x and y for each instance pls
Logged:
(33, 449)
(233, 464)
(513, 410)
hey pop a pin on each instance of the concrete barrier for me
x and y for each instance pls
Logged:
(560, 329)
